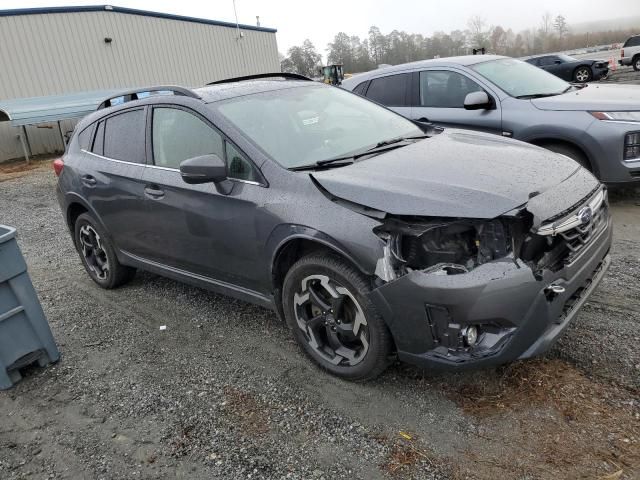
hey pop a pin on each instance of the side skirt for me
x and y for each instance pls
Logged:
(201, 281)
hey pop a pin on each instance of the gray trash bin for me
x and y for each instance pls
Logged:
(25, 336)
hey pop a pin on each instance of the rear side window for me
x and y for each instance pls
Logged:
(84, 138)
(179, 135)
(98, 141)
(533, 61)
(124, 136)
(445, 89)
(391, 90)
(633, 42)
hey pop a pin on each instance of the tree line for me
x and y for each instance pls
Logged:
(359, 55)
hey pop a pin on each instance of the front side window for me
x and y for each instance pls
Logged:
(445, 89)
(303, 124)
(238, 167)
(179, 135)
(520, 79)
(390, 91)
(124, 136)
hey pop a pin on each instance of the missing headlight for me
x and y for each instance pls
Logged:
(443, 247)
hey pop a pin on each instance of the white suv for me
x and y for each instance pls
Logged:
(630, 54)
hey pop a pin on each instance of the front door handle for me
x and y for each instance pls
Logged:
(153, 191)
(422, 120)
(89, 180)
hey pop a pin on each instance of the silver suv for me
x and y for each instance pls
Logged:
(630, 54)
(597, 125)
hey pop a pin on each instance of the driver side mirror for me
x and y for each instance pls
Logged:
(203, 169)
(477, 101)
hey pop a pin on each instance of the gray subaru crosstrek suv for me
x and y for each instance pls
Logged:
(373, 237)
(598, 125)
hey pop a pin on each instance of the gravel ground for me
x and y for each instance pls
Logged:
(224, 392)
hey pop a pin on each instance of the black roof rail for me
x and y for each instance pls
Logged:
(285, 75)
(130, 95)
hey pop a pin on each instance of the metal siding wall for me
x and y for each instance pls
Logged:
(60, 53)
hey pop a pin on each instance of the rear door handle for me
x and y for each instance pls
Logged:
(154, 191)
(89, 180)
(422, 120)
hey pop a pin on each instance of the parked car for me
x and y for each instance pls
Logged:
(372, 237)
(571, 69)
(630, 53)
(596, 125)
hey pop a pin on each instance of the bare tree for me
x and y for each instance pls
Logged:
(560, 24)
(479, 31)
(547, 23)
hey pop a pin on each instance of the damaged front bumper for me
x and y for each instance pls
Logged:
(517, 312)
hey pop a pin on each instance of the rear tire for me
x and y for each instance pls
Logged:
(97, 254)
(636, 63)
(327, 307)
(569, 151)
(582, 74)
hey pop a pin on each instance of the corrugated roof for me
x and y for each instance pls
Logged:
(34, 110)
(130, 11)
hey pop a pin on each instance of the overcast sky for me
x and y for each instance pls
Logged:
(319, 20)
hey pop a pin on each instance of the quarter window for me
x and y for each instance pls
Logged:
(391, 90)
(98, 141)
(632, 42)
(238, 166)
(179, 135)
(124, 136)
(445, 89)
(84, 138)
(360, 88)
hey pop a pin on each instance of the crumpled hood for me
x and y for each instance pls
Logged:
(593, 98)
(461, 174)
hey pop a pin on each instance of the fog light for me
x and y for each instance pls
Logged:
(470, 335)
(632, 146)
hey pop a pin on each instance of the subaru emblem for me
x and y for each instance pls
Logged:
(585, 215)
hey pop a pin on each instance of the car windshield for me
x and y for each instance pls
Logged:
(521, 79)
(306, 124)
(566, 58)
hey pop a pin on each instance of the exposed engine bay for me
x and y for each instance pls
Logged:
(445, 246)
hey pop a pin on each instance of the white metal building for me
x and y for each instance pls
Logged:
(63, 50)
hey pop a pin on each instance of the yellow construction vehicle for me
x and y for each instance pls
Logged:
(332, 74)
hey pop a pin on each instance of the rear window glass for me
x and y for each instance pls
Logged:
(633, 42)
(391, 90)
(124, 136)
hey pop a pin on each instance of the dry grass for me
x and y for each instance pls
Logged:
(565, 424)
(407, 456)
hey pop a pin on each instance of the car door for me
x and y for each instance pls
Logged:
(197, 228)
(110, 176)
(393, 91)
(440, 100)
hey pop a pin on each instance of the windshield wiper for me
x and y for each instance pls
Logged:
(379, 147)
(539, 95)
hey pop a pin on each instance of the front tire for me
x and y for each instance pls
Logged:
(582, 75)
(97, 254)
(327, 307)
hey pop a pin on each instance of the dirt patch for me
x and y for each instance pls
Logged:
(18, 168)
(248, 412)
(581, 426)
